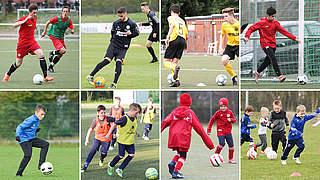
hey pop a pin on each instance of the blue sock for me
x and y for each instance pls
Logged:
(146, 133)
(85, 166)
(114, 140)
(115, 160)
(125, 162)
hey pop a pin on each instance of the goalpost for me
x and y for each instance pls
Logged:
(302, 19)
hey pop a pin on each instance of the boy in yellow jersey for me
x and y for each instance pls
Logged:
(127, 128)
(175, 42)
(117, 112)
(231, 29)
(148, 116)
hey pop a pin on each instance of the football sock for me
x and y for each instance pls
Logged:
(55, 61)
(146, 132)
(115, 160)
(85, 166)
(151, 51)
(251, 144)
(43, 66)
(219, 148)
(175, 158)
(229, 69)
(56, 52)
(117, 71)
(12, 69)
(169, 65)
(99, 66)
(103, 155)
(114, 140)
(179, 164)
(125, 162)
(231, 151)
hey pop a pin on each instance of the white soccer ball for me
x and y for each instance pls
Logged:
(272, 155)
(268, 149)
(170, 78)
(46, 168)
(302, 79)
(221, 80)
(216, 160)
(252, 154)
(151, 173)
(38, 79)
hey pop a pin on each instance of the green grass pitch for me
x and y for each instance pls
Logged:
(246, 84)
(66, 74)
(263, 168)
(146, 155)
(197, 69)
(137, 73)
(65, 160)
(198, 165)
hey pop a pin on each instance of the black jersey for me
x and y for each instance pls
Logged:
(153, 21)
(119, 38)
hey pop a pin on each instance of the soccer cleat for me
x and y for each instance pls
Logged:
(5, 78)
(257, 76)
(18, 174)
(175, 84)
(235, 80)
(83, 170)
(90, 80)
(51, 55)
(110, 169)
(282, 78)
(255, 147)
(153, 61)
(177, 175)
(171, 166)
(231, 161)
(297, 160)
(146, 138)
(48, 79)
(50, 69)
(283, 162)
(101, 162)
(119, 172)
(176, 72)
(261, 152)
(113, 86)
(143, 136)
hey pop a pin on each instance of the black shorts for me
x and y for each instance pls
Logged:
(231, 51)
(151, 38)
(114, 52)
(246, 138)
(175, 48)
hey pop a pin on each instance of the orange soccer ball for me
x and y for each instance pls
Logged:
(99, 82)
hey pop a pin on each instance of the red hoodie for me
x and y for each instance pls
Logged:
(181, 122)
(267, 30)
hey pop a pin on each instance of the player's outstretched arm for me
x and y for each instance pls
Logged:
(19, 23)
(165, 123)
(196, 125)
(212, 119)
(88, 136)
(45, 29)
(311, 116)
(252, 29)
(283, 31)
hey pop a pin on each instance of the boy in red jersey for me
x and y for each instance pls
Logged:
(27, 44)
(267, 30)
(101, 125)
(181, 121)
(117, 112)
(59, 26)
(224, 118)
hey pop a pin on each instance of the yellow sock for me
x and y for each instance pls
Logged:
(230, 70)
(169, 65)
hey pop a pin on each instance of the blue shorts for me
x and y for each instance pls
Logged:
(123, 148)
(114, 131)
(148, 126)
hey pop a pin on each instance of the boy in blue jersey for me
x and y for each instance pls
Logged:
(246, 126)
(295, 136)
(25, 135)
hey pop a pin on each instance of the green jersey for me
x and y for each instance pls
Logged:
(59, 28)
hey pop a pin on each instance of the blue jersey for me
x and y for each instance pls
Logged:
(246, 125)
(27, 129)
(297, 125)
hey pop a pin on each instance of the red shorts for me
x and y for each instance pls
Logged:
(180, 149)
(24, 49)
(58, 43)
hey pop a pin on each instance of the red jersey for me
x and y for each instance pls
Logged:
(55, 19)
(224, 120)
(267, 31)
(26, 31)
(181, 122)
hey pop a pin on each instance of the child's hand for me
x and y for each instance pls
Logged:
(272, 125)
(138, 134)
(87, 142)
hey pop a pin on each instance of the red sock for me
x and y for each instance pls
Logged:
(231, 151)
(179, 164)
(219, 148)
(175, 158)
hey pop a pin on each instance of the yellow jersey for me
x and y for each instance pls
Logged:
(127, 132)
(232, 31)
(180, 28)
(148, 115)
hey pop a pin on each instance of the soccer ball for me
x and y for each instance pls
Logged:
(268, 149)
(99, 82)
(170, 78)
(216, 160)
(38, 79)
(251, 154)
(46, 168)
(151, 173)
(302, 79)
(221, 80)
(272, 155)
